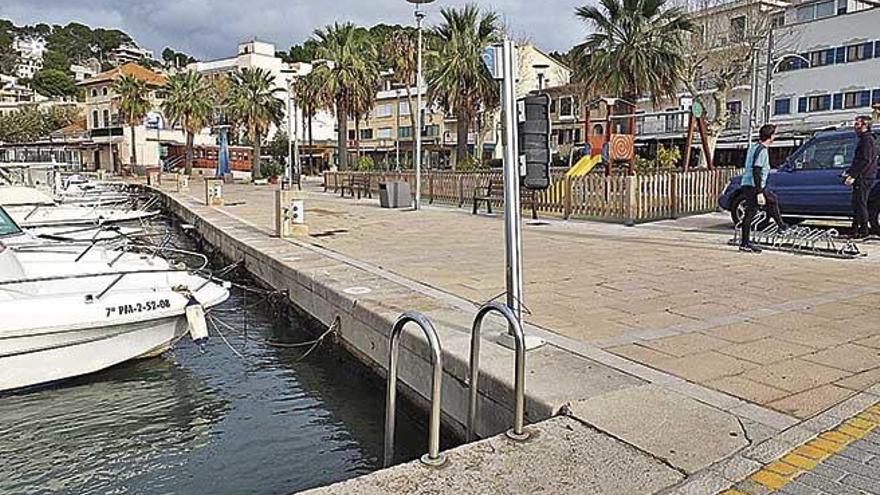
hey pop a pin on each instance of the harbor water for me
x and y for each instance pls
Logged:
(206, 420)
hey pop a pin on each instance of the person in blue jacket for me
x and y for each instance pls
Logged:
(754, 182)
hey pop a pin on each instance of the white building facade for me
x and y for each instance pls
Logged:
(828, 58)
(30, 56)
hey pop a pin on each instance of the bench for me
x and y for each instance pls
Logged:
(494, 193)
(357, 184)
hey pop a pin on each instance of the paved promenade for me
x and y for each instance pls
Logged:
(716, 362)
(796, 334)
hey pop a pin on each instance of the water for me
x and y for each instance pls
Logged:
(196, 422)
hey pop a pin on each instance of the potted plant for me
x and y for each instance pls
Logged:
(271, 171)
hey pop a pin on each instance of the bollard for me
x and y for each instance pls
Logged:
(182, 182)
(290, 214)
(213, 192)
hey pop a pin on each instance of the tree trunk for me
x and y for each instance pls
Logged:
(311, 147)
(190, 138)
(461, 146)
(258, 150)
(715, 128)
(342, 135)
(133, 147)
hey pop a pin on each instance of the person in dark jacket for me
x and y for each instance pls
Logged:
(754, 182)
(861, 176)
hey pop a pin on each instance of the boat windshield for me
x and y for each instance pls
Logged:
(7, 225)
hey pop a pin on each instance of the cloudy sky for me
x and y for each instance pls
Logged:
(212, 28)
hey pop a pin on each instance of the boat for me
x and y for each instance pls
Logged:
(67, 311)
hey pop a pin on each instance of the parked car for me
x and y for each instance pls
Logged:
(809, 183)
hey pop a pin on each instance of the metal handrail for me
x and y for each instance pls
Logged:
(433, 457)
(517, 432)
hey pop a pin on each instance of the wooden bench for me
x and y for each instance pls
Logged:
(494, 193)
(357, 184)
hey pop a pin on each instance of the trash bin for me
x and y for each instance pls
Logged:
(394, 194)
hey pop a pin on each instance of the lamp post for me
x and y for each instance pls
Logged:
(772, 68)
(418, 111)
(397, 87)
(292, 170)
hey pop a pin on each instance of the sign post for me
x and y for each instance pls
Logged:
(512, 173)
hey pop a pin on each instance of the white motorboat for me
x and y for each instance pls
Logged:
(66, 313)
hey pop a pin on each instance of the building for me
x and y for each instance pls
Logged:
(110, 140)
(827, 58)
(85, 70)
(387, 132)
(128, 53)
(30, 56)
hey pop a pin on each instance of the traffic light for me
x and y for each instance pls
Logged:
(534, 141)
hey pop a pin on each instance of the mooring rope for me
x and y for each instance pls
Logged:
(216, 322)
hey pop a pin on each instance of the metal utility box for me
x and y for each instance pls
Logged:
(394, 195)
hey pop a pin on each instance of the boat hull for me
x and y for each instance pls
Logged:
(30, 360)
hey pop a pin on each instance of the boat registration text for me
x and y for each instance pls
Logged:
(139, 307)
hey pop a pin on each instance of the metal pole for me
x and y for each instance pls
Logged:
(753, 99)
(397, 135)
(769, 77)
(418, 112)
(297, 167)
(512, 212)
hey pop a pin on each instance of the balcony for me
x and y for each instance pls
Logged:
(106, 132)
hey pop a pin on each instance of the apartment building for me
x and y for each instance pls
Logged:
(129, 53)
(827, 66)
(30, 56)
(387, 132)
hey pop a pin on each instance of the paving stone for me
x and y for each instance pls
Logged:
(797, 488)
(869, 485)
(766, 351)
(810, 402)
(857, 455)
(849, 357)
(795, 375)
(861, 381)
(825, 485)
(747, 389)
(683, 345)
(705, 366)
(854, 467)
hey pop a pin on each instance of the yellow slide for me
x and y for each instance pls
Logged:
(584, 166)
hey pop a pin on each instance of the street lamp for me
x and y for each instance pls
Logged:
(418, 113)
(292, 169)
(773, 68)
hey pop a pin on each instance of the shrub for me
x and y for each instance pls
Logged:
(365, 164)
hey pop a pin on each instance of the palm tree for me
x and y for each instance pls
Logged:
(459, 81)
(349, 66)
(188, 103)
(400, 49)
(307, 95)
(636, 48)
(132, 100)
(252, 101)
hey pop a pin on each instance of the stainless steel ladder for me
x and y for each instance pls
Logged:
(433, 457)
(517, 432)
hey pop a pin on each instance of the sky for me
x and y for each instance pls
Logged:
(210, 29)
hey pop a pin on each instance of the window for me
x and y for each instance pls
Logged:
(737, 28)
(405, 132)
(806, 13)
(566, 107)
(553, 102)
(106, 118)
(403, 108)
(819, 103)
(837, 102)
(822, 57)
(826, 153)
(734, 115)
(94, 93)
(104, 91)
(366, 134)
(351, 134)
(777, 21)
(385, 133)
(875, 97)
(840, 55)
(782, 106)
(598, 130)
(432, 130)
(95, 122)
(826, 9)
(385, 110)
(857, 99)
(7, 225)
(856, 53)
(577, 135)
(841, 7)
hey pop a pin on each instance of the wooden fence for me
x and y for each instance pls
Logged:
(624, 198)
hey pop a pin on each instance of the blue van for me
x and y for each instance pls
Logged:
(809, 182)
